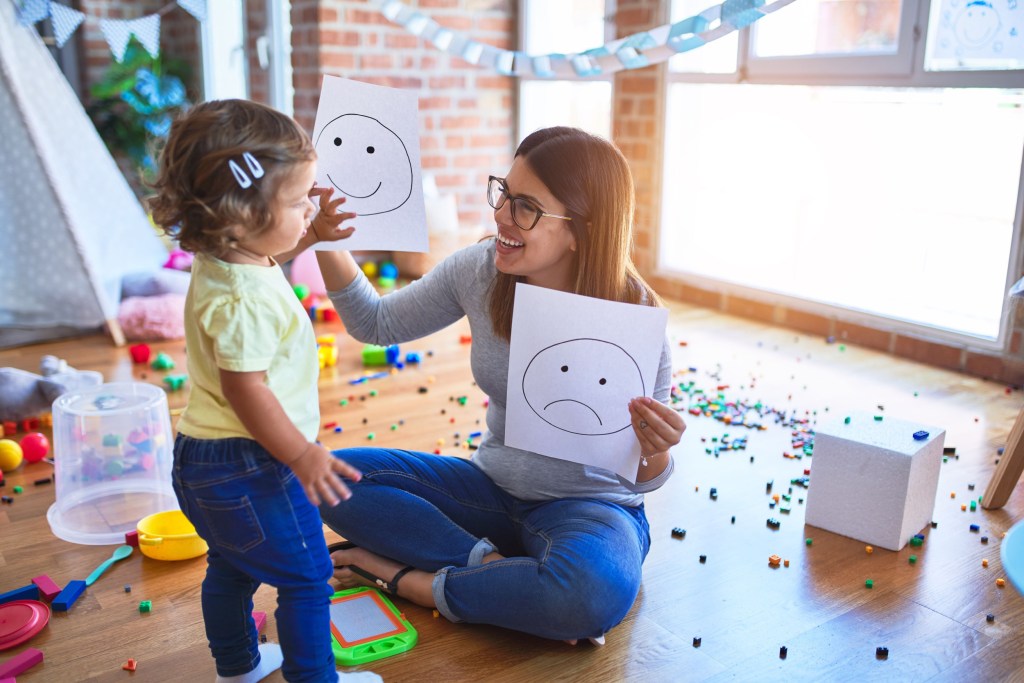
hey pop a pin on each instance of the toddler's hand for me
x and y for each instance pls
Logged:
(327, 222)
(318, 472)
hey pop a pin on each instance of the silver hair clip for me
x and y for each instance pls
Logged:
(243, 179)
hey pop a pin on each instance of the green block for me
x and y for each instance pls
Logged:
(809, 541)
(375, 355)
(870, 583)
(913, 559)
(145, 606)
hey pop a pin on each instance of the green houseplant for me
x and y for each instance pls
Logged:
(134, 103)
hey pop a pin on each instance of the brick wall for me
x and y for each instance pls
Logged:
(467, 113)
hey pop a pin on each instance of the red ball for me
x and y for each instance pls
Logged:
(35, 446)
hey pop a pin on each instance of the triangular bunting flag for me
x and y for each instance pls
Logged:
(147, 30)
(65, 21)
(117, 34)
(32, 11)
(197, 8)
(119, 31)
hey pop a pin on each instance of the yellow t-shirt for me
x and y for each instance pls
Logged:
(246, 318)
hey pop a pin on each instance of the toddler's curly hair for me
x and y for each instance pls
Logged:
(198, 200)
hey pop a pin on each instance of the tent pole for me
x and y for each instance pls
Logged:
(115, 331)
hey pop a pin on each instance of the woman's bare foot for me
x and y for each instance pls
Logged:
(370, 563)
(416, 586)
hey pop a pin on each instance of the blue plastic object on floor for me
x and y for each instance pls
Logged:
(1012, 552)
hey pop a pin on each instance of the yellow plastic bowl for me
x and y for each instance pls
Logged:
(169, 536)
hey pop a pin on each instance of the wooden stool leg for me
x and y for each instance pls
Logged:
(1009, 470)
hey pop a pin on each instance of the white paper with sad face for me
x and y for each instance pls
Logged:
(574, 364)
(367, 144)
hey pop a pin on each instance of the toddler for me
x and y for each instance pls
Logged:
(234, 188)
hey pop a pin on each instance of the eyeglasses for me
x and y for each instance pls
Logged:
(524, 212)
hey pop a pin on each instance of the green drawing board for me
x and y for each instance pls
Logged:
(365, 626)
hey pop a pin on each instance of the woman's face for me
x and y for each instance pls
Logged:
(543, 255)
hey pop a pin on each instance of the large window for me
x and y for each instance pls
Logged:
(827, 157)
(564, 27)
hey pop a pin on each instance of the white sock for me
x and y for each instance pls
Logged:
(270, 661)
(359, 677)
(597, 641)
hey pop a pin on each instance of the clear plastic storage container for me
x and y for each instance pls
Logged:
(112, 461)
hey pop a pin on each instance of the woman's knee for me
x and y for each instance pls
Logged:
(590, 602)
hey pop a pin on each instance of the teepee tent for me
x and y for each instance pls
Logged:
(70, 226)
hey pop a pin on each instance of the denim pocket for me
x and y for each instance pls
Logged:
(232, 523)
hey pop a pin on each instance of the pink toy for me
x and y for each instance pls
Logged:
(305, 271)
(179, 260)
(34, 447)
(153, 318)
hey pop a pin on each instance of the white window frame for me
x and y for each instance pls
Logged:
(523, 22)
(225, 66)
(865, 70)
(279, 28)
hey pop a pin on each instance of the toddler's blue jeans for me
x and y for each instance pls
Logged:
(261, 528)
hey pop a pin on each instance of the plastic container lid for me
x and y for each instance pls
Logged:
(20, 621)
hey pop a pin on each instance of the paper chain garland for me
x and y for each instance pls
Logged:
(633, 52)
(116, 31)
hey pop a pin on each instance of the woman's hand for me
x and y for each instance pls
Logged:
(326, 224)
(318, 472)
(657, 426)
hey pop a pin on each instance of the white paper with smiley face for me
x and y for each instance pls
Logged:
(976, 34)
(581, 386)
(574, 364)
(367, 143)
(364, 160)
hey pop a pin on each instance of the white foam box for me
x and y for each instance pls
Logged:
(872, 481)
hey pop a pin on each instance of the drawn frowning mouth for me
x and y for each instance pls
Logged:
(570, 400)
(349, 194)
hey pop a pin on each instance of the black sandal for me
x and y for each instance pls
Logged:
(390, 587)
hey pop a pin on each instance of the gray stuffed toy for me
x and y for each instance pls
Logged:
(25, 394)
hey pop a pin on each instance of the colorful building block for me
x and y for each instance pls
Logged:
(47, 587)
(29, 592)
(65, 600)
(20, 663)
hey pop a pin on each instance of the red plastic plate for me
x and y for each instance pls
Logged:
(20, 620)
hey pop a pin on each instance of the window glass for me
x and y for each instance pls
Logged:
(830, 27)
(717, 57)
(582, 104)
(895, 201)
(564, 27)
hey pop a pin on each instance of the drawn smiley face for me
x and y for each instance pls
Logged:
(583, 386)
(367, 162)
(977, 24)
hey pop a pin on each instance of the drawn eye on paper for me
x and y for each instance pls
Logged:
(367, 162)
(582, 386)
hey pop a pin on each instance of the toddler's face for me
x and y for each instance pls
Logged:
(292, 210)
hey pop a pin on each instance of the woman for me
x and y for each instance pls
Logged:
(510, 538)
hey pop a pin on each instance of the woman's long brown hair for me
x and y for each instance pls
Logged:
(592, 179)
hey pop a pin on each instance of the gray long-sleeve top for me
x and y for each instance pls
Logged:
(456, 287)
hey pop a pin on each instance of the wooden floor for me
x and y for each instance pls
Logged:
(931, 615)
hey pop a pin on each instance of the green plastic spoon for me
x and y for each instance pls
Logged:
(119, 554)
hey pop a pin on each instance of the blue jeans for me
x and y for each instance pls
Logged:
(261, 528)
(571, 567)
